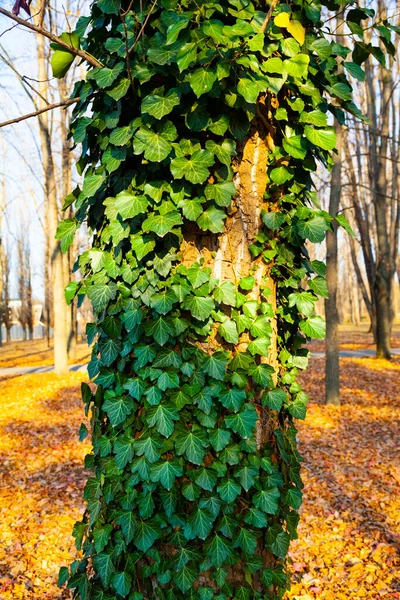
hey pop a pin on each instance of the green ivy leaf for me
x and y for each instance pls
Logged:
(202, 80)
(118, 409)
(163, 417)
(121, 583)
(322, 138)
(313, 327)
(228, 330)
(266, 500)
(162, 224)
(104, 566)
(159, 106)
(147, 533)
(195, 169)
(201, 308)
(218, 550)
(166, 472)
(244, 422)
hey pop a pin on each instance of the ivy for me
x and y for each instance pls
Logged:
(199, 331)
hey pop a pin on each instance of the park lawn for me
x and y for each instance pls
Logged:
(36, 353)
(350, 526)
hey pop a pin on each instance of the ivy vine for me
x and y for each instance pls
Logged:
(196, 476)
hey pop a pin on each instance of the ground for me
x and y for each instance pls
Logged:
(36, 353)
(350, 525)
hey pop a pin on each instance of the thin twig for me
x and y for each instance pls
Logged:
(269, 15)
(85, 55)
(39, 112)
(143, 27)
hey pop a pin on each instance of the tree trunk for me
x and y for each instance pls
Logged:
(332, 385)
(384, 269)
(55, 255)
(228, 256)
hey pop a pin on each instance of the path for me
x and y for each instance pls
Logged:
(4, 372)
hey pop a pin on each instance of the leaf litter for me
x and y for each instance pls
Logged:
(349, 533)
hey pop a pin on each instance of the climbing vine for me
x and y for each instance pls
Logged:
(200, 132)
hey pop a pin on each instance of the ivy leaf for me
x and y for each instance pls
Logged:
(313, 327)
(243, 423)
(101, 535)
(121, 582)
(202, 80)
(246, 540)
(201, 523)
(163, 417)
(206, 479)
(163, 301)
(229, 490)
(118, 409)
(274, 398)
(128, 525)
(104, 566)
(129, 205)
(192, 444)
(266, 500)
(225, 293)
(123, 449)
(154, 145)
(220, 192)
(246, 476)
(215, 365)
(232, 399)
(185, 578)
(219, 439)
(165, 472)
(281, 175)
(323, 138)
(159, 106)
(278, 541)
(319, 286)
(109, 351)
(218, 550)
(228, 330)
(256, 517)
(195, 169)
(162, 224)
(249, 89)
(296, 146)
(149, 447)
(147, 533)
(314, 229)
(212, 220)
(201, 308)
(66, 233)
(160, 329)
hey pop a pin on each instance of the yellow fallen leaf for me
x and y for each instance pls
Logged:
(297, 30)
(282, 20)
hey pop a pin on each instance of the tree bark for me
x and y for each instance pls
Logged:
(228, 256)
(332, 386)
(55, 255)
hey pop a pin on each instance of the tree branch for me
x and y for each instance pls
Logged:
(85, 55)
(39, 112)
(269, 15)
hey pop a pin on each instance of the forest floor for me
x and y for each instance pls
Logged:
(36, 353)
(349, 534)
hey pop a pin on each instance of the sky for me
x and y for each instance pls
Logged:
(21, 183)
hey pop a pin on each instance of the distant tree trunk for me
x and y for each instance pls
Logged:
(384, 269)
(56, 259)
(5, 266)
(332, 385)
(29, 299)
(69, 257)
(332, 388)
